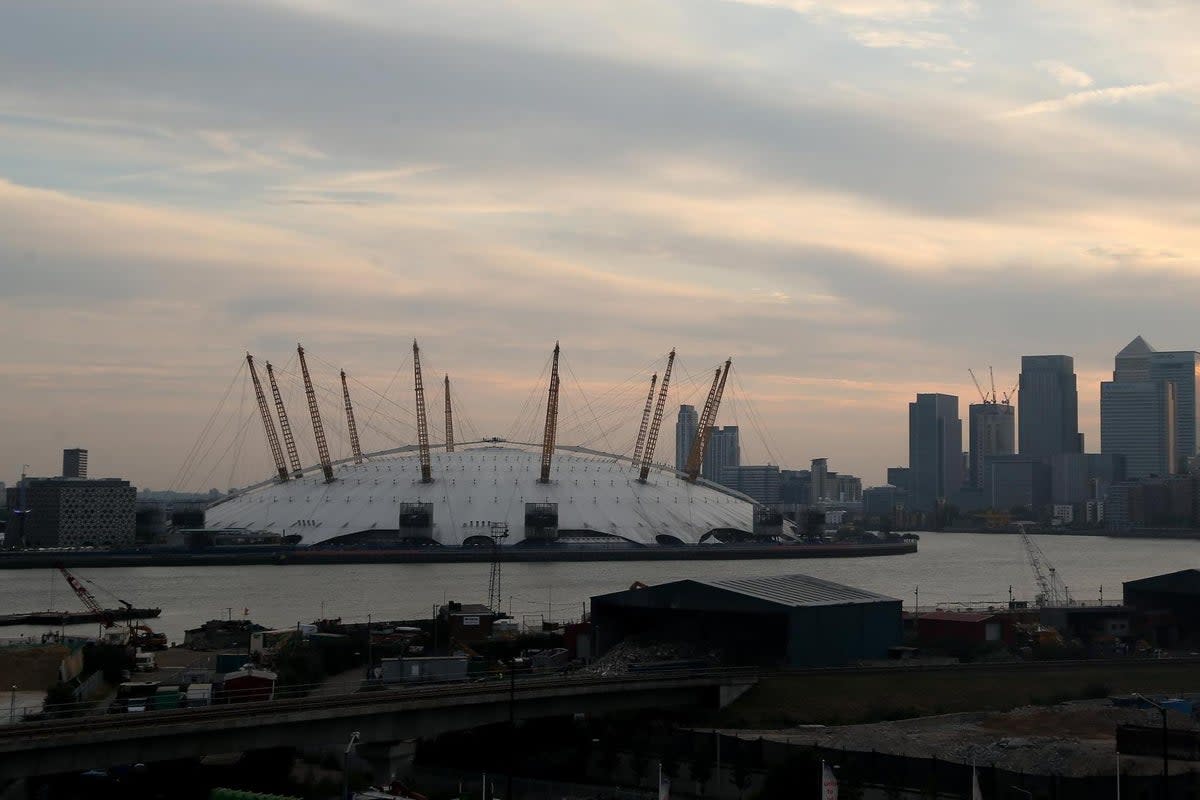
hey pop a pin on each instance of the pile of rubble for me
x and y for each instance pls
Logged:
(618, 660)
(1067, 739)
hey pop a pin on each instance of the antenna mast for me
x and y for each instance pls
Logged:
(268, 423)
(707, 419)
(354, 445)
(642, 429)
(284, 426)
(449, 420)
(551, 420)
(422, 421)
(315, 413)
(656, 422)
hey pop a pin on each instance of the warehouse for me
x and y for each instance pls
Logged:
(1168, 607)
(794, 620)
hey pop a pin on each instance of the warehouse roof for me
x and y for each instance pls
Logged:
(1185, 581)
(797, 590)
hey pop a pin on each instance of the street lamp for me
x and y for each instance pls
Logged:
(12, 706)
(350, 745)
(1162, 710)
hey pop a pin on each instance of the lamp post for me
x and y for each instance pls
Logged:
(1162, 710)
(370, 659)
(12, 706)
(350, 745)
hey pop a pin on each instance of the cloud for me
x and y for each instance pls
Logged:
(1107, 96)
(1065, 74)
(911, 40)
(858, 9)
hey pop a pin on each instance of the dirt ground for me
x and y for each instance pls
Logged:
(1069, 739)
(30, 668)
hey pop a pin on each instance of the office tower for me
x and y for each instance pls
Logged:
(818, 481)
(685, 435)
(68, 512)
(899, 477)
(723, 451)
(934, 450)
(1181, 368)
(1137, 421)
(1049, 407)
(991, 428)
(1140, 432)
(75, 463)
(761, 483)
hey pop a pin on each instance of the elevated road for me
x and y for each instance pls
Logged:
(381, 717)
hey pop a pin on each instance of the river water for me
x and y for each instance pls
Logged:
(949, 568)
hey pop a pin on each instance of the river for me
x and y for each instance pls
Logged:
(949, 568)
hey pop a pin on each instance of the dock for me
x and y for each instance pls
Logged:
(79, 617)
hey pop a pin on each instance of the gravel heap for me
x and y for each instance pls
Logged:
(632, 651)
(1071, 739)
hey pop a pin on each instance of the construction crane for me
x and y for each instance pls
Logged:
(449, 420)
(656, 422)
(1051, 589)
(1011, 394)
(87, 598)
(315, 413)
(707, 419)
(285, 427)
(643, 428)
(551, 430)
(982, 394)
(422, 420)
(355, 447)
(268, 423)
(140, 635)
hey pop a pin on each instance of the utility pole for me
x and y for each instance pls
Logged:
(1166, 785)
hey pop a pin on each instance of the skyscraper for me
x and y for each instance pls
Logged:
(724, 450)
(1181, 368)
(991, 428)
(75, 463)
(1049, 406)
(934, 450)
(1148, 411)
(819, 476)
(685, 435)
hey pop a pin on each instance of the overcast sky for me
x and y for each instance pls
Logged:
(856, 199)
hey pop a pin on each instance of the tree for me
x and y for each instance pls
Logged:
(700, 767)
(740, 766)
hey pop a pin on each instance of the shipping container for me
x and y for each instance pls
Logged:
(199, 695)
(423, 670)
(166, 697)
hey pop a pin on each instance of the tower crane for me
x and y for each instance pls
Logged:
(982, 395)
(656, 422)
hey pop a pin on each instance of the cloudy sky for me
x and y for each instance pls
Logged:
(856, 199)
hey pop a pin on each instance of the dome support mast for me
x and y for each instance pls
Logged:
(551, 420)
(350, 423)
(268, 423)
(641, 437)
(422, 420)
(449, 420)
(656, 423)
(315, 413)
(707, 420)
(285, 427)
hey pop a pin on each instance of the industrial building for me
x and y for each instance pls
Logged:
(1168, 607)
(71, 512)
(793, 620)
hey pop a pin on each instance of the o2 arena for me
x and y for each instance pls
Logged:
(470, 501)
(492, 491)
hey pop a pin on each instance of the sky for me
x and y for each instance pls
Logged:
(857, 200)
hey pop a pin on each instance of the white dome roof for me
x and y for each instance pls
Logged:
(596, 494)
